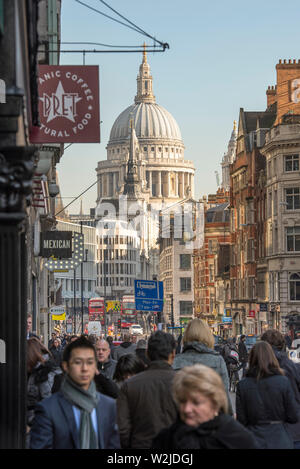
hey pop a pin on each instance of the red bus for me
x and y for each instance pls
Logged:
(96, 310)
(128, 311)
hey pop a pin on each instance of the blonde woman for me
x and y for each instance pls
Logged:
(198, 347)
(203, 421)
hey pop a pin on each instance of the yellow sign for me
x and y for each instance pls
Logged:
(60, 317)
(113, 305)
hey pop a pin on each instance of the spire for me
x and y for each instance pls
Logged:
(228, 158)
(132, 183)
(81, 209)
(144, 82)
(144, 54)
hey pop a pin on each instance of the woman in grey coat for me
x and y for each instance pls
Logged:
(198, 347)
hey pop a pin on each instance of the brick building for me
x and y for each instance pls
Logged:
(245, 201)
(216, 233)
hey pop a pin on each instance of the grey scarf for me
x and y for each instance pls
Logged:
(86, 401)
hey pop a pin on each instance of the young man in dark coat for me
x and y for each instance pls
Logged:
(145, 404)
(76, 417)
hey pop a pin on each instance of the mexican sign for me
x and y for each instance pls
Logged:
(149, 295)
(68, 105)
(57, 244)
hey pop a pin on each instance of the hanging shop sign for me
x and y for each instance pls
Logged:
(60, 317)
(251, 314)
(56, 244)
(68, 104)
(58, 310)
(53, 263)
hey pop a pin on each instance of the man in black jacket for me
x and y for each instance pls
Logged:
(106, 365)
(145, 404)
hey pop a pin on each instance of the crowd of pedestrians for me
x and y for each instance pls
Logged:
(85, 392)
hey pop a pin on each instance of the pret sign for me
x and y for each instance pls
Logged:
(57, 244)
(68, 104)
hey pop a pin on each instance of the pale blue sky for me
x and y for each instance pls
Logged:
(222, 57)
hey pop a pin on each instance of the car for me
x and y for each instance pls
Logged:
(136, 329)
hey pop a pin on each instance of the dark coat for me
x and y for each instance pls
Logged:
(39, 384)
(243, 353)
(269, 399)
(145, 405)
(57, 355)
(292, 372)
(54, 426)
(107, 368)
(123, 349)
(223, 432)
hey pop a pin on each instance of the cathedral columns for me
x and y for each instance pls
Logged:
(169, 184)
(158, 183)
(192, 185)
(176, 185)
(150, 182)
(181, 184)
(113, 183)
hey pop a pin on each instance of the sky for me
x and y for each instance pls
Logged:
(222, 57)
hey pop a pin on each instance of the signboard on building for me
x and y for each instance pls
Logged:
(226, 320)
(149, 295)
(58, 310)
(251, 313)
(113, 306)
(59, 317)
(68, 104)
(57, 244)
(263, 307)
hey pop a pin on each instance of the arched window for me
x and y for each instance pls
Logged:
(294, 286)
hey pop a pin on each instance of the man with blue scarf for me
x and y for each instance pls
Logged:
(76, 417)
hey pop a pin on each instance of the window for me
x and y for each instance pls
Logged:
(185, 261)
(294, 287)
(185, 308)
(292, 198)
(293, 238)
(292, 163)
(152, 148)
(185, 284)
(211, 273)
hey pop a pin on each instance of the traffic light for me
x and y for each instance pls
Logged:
(119, 323)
